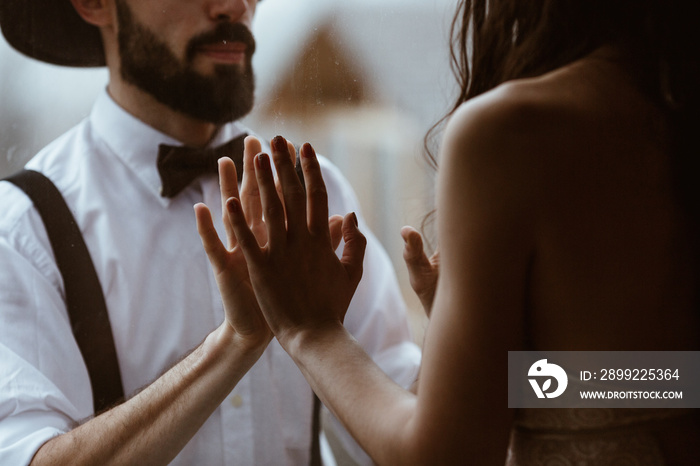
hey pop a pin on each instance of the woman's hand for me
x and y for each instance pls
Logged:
(228, 262)
(422, 271)
(299, 282)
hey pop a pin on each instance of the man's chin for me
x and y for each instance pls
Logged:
(216, 112)
(215, 94)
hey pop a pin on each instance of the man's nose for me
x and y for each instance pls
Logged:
(230, 10)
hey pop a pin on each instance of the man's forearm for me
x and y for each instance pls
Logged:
(153, 426)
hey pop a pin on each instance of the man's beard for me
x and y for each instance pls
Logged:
(148, 63)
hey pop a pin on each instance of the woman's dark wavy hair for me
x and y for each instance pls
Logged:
(493, 41)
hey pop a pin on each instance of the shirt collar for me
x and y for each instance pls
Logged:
(136, 144)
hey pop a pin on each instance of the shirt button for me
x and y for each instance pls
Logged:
(236, 401)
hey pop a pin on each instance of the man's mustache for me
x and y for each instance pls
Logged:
(225, 32)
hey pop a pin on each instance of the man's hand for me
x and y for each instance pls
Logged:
(228, 262)
(157, 422)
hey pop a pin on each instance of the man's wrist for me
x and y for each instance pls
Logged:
(225, 342)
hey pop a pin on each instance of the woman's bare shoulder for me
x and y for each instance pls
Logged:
(575, 112)
(508, 133)
(524, 112)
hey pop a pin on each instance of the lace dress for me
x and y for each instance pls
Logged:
(588, 437)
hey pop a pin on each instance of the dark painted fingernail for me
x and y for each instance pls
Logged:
(307, 151)
(279, 143)
(262, 161)
(354, 218)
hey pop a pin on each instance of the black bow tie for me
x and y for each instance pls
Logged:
(178, 166)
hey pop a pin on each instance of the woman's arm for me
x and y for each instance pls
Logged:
(485, 237)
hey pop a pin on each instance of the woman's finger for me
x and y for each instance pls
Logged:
(354, 250)
(422, 271)
(316, 194)
(293, 157)
(273, 211)
(292, 189)
(413, 253)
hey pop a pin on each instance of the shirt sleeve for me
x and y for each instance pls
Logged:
(377, 313)
(44, 386)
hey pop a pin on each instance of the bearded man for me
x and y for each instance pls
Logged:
(202, 386)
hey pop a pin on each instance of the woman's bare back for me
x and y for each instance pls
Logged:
(612, 268)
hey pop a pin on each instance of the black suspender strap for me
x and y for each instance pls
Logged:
(84, 299)
(315, 459)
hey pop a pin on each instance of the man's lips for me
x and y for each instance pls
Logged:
(224, 51)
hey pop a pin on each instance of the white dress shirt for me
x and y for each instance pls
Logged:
(162, 300)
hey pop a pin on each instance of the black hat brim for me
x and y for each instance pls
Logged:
(51, 31)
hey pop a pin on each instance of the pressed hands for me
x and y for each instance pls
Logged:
(288, 260)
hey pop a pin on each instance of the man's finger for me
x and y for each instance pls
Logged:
(292, 152)
(250, 194)
(228, 186)
(335, 228)
(244, 236)
(216, 252)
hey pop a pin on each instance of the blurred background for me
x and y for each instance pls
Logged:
(362, 80)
